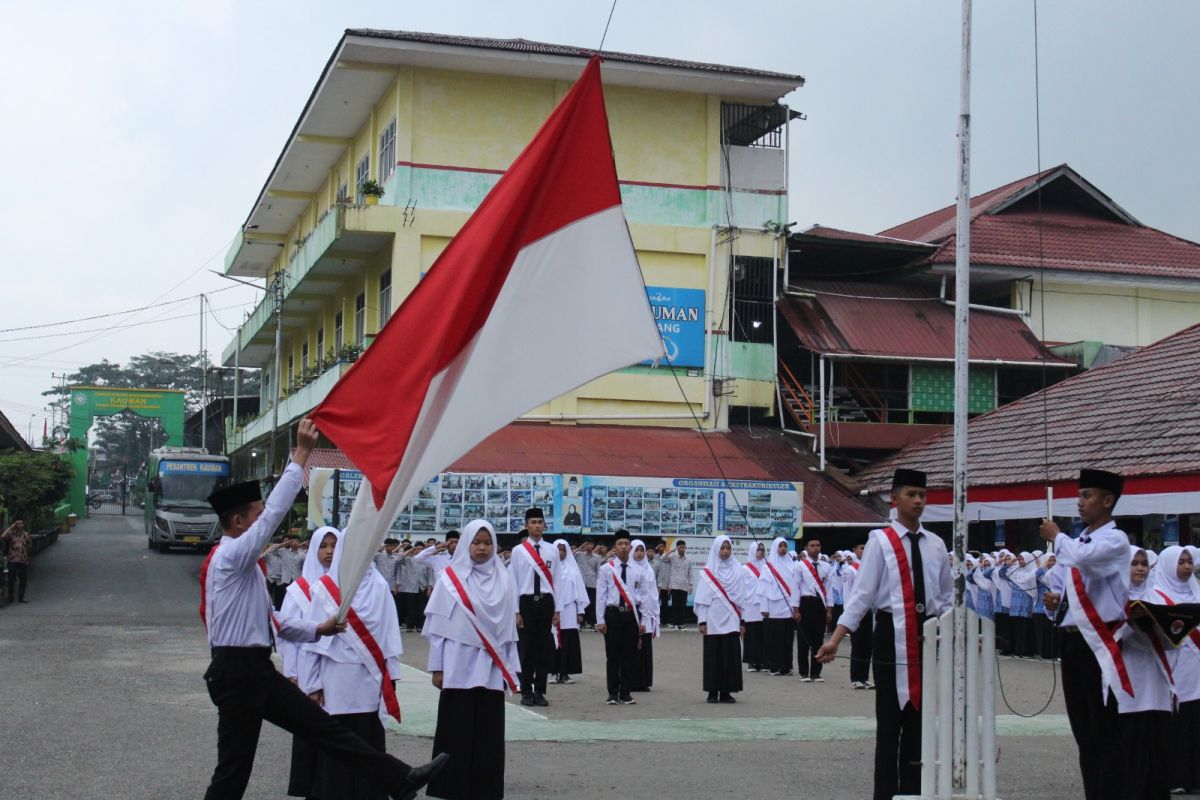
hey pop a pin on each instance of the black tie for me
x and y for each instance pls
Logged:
(537, 578)
(918, 569)
(623, 566)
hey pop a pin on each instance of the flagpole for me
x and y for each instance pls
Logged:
(962, 296)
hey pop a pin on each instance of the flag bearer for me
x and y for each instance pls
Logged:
(905, 579)
(242, 681)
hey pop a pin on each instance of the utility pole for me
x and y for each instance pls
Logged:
(203, 381)
(277, 290)
(237, 378)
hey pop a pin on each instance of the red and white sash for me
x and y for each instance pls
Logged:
(812, 570)
(753, 569)
(617, 582)
(906, 626)
(539, 564)
(459, 591)
(787, 590)
(737, 612)
(302, 585)
(363, 642)
(1098, 635)
(1164, 663)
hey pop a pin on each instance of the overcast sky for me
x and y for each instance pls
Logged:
(137, 135)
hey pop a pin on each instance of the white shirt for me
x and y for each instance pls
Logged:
(523, 569)
(466, 667)
(239, 608)
(606, 588)
(808, 583)
(1102, 558)
(873, 584)
(291, 562)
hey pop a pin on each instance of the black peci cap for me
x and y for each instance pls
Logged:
(235, 496)
(534, 513)
(1099, 479)
(908, 477)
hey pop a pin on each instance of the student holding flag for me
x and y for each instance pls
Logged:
(533, 570)
(905, 579)
(723, 591)
(619, 615)
(470, 624)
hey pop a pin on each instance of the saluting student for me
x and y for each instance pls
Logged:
(470, 624)
(619, 612)
(753, 646)
(900, 561)
(570, 617)
(781, 602)
(1094, 571)
(532, 570)
(242, 681)
(722, 594)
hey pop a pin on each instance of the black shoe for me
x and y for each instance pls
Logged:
(540, 700)
(419, 776)
(527, 700)
(785, 673)
(727, 698)
(628, 700)
(611, 701)
(712, 697)
(22, 600)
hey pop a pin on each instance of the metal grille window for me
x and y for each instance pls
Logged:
(387, 151)
(304, 359)
(753, 300)
(343, 192)
(290, 371)
(337, 332)
(361, 173)
(385, 297)
(754, 278)
(360, 318)
(754, 126)
(320, 344)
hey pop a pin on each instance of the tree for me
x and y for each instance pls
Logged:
(31, 484)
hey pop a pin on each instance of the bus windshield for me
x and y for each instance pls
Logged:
(189, 483)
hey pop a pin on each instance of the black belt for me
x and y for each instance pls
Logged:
(261, 652)
(537, 598)
(621, 608)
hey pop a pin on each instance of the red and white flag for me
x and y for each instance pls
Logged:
(539, 293)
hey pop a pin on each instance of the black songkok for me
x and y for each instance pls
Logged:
(908, 477)
(235, 496)
(1099, 479)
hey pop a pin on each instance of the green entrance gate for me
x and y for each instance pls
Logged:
(89, 402)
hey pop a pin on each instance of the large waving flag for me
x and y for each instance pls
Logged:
(539, 293)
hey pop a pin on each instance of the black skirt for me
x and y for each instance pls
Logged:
(570, 656)
(1145, 737)
(302, 779)
(723, 662)
(470, 727)
(752, 645)
(1184, 762)
(643, 670)
(335, 781)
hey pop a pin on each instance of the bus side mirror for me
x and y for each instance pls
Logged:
(155, 486)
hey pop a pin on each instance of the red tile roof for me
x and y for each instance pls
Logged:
(1136, 416)
(1079, 230)
(654, 453)
(837, 234)
(902, 321)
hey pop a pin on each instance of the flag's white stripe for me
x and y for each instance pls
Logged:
(573, 308)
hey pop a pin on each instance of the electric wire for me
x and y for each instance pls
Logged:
(112, 327)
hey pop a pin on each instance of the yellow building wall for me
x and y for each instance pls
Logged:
(1123, 315)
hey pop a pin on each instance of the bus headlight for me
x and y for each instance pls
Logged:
(162, 524)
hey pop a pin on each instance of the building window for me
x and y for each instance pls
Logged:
(343, 192)
(360, 318)
(385, 297)
(752, 297)
(387, 151)
(361, 173)
(337, 333)
(289, 372)
(304, 359)
(321, 346)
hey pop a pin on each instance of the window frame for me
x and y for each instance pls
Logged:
(385, 297)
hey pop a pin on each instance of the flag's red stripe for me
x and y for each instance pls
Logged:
(565, 174)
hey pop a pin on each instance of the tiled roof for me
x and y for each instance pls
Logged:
(1094, 236)
(545, 48)
(1136, 416)
(837, 234)
(902, 320)
(654, 453)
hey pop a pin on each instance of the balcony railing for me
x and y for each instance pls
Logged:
(294, 405)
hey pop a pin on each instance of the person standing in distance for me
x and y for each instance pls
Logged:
(533, 578)
(242, 681)
(905, 579)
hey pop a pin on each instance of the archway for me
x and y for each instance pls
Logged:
(89, 402)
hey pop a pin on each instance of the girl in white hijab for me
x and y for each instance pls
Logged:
(753, 652)
(1173, 584)
(470, 624)
(644, 585)
(1022, 581)
(722, 591)
(297, 602)
(352, 674)
(1003, 598)
(570, 591)
(781, 600)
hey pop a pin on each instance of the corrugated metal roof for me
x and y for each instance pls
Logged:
(1137, 416)
(546, 48)
(647, 452)
(838, 234)
(899, 321)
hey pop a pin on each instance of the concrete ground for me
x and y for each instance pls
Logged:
(103, 698)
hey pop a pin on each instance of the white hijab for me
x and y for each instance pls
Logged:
(644, 564)
(759, 562)
(313, 570)
(1144, 591)
(373, 603)
(728, 571)
(570, 580)
(783, 564)
(1024, 577)
(1167, 581)
(490, 589)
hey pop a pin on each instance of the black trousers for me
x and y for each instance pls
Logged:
(860, 650)
(534, 644)
(17, 572)
(1147, 744)
(589, 613)
(470, 727)
(810, 635)
(1184, 751)
(400, 600)
(246, 689)
(777, 643)
(753, 645)
(621, 654)
(898, 730)
(1095, 724)
(678, 607)
(414, 609)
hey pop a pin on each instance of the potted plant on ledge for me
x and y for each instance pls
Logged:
(371, 191)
